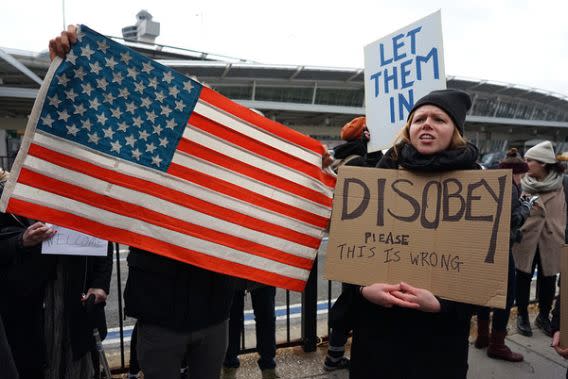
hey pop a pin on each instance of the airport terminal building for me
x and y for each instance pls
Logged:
(313, 100)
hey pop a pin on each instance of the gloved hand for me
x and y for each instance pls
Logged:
(528, 201)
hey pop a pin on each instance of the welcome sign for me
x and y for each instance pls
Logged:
(400, 69)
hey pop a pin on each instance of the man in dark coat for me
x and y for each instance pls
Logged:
(180, 309)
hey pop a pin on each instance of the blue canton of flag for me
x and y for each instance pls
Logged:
(90, 102)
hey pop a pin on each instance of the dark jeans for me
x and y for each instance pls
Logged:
(342, 325)
(501, 316)
(546, 289)
(161, 350)
(265, 317)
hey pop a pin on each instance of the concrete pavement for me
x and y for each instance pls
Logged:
(541, 361)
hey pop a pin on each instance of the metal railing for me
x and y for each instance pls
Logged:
(6, 162)
(308, 338)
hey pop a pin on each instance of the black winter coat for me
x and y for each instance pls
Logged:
(24, 274)
(23, 271)
(399, 343)
(175, 295)
(83, 273)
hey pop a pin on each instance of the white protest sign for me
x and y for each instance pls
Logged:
(70, 242)
(400, 69)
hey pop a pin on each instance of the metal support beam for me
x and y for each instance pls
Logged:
(354, 75)
(21, 93)
(227, 69)
(14, 62)
(315, 93)
(298, 71)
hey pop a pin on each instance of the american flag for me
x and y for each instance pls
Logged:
(123, 148)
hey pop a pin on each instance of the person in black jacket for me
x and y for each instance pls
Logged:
(401, 331)
(520, 209)
(182, 310)
(24, 274)
(351, 153)
(70, 322)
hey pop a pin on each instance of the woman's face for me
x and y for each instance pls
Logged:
(431, 130)
(536, 169)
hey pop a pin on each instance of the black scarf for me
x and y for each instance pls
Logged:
(447, 160)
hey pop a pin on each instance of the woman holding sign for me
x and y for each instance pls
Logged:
(401, 331)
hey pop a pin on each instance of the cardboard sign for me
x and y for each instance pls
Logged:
(70, 242)
(447, 232)
(564, 297)
(400, 69)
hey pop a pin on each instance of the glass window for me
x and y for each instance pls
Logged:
(284, 94)
(343, 97)
(236, 93)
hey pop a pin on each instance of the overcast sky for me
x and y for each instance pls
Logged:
(518, 41)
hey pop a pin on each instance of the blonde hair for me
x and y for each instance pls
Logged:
(403, 137)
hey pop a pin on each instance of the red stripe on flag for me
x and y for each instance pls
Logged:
(68, 220)
(241, 193)
(219, 101)
(259, 148)
(170, 195)
(124, 208)
(200, 151)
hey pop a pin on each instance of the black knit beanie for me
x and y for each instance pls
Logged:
(455, 103)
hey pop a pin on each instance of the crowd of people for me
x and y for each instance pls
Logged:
(189, 319)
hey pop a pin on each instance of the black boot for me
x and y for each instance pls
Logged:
(524, 326)
(543, 323)
(482, 340)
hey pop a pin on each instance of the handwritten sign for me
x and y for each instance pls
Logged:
(400, 69)
(70, 242)
(447, 232)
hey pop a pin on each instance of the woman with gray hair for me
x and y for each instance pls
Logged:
(542, 235)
